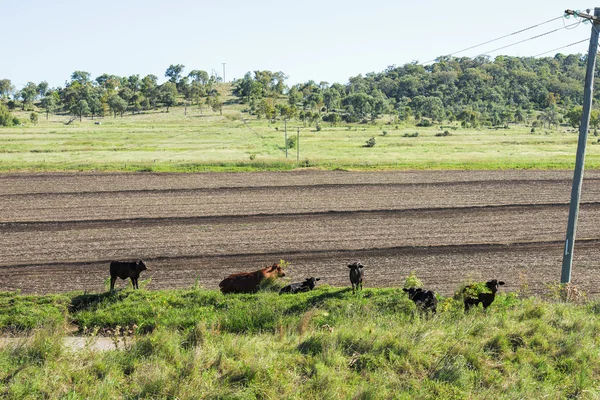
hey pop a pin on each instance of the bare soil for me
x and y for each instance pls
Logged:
(59, 232)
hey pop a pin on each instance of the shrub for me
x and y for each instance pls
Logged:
(6, 118)
(33, 117)
(383, 133)
(370, 142)
(411, 134)
(318, 127)
(425, 123)
(412, 281)
(291, 142)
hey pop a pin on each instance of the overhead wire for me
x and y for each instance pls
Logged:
(558, 48)
(501, 37)
(528, 39)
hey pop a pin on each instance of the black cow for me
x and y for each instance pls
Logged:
(356, 275)
(425, 300)
(306, 286)
(124, 270)
(484, 298)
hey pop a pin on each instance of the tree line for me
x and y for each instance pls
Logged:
(475, 91)
(111, 94)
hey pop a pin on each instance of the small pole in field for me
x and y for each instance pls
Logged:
(285, 133)
(567, 263)
(298, 146)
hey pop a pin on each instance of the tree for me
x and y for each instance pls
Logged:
(117, 105)
(574, 116)
(168, 96)
(28, 94)
(174, 72)
(50, 102)
(42, 88)
(199, 76)
(6, 88)
(96, 108)
(6, 118)
(217, 104)
(81, 76)
(33, 117)
(81, 109)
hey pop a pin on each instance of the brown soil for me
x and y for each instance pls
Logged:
(58, 232)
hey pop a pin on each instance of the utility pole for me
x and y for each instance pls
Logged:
(285, 130)
(298, 146)
(567, 264)
(224, 72)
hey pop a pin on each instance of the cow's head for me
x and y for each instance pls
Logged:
(275, 271)
(310, 282)
(412, 292)
(493, 285)
(140, 266)
(355, 265)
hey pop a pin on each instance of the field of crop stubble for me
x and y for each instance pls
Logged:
(58, 232)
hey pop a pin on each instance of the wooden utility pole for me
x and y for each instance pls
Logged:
(567, 264)
(298, 147)
(224, 72)
(285, 133)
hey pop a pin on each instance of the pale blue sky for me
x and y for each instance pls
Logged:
(320, 40)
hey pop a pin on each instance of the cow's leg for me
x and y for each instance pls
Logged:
(134, 283)
(112, 283)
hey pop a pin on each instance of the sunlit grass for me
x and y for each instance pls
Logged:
(160, 141)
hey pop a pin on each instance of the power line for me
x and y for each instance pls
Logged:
(501, 37)
(558, 48)
(531, 38)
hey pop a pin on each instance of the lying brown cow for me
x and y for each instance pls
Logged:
(124, 270)
(247, 282)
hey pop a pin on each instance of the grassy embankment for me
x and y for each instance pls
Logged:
(325, 344)
(207, 141)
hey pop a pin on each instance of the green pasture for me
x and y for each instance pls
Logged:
(199, 141)
(326, 344)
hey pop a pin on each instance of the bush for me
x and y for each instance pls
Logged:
(411, 134)
(445, 133)
(425, 123)
(6, 118)
(291, 142)
(318, 127)
(370, 142)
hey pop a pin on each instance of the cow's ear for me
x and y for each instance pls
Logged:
(360, 266)
(349, 265)
(317, 279)
(405, 289)
(501, 283)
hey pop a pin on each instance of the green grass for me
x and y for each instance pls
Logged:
(324, 344)
(167, 142)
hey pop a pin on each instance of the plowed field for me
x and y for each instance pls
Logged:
(58, 232)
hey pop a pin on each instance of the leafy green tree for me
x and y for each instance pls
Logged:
(174, 72)
(117, 105)
(50, 102)
(28, 94)
(33, 117)
(42, 88)
(6, 88)
(81, 76)
(95, 105)
(81, 109)
(199, 76)
(169, 93)
(217, 104)
(573, 117)
(6, 118)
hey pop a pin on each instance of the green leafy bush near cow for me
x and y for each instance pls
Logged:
(327, 343)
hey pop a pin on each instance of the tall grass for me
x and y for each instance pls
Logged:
(327, 343)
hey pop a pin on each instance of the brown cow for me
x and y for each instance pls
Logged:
(247, 282)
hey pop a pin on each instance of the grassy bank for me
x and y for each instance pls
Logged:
(175, 142)
(325, 344)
